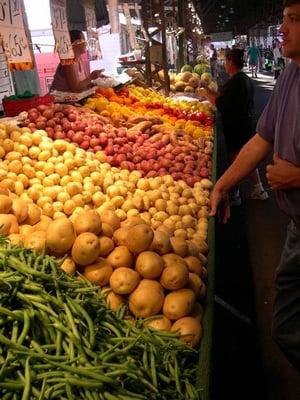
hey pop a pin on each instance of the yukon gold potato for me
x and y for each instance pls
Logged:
(26, 229)
(68, 266)
(43, 224)
(106, 245)
(201, 243)
(120, 236)
(190, 330)
(161, 323)
(197, 312)
(179, 246)
(8, 224)
(194, 265)
(179, 303)
(36, 241)
(149, 265)
(139, 238)
(107, 229)
(60, 235)
(99, 272)
(147, 299)
(86, 248)
(195, 283)
(20, 209)
(88, 221)
(34, 214)
(171, 259)
(132, 221)
(109, 217)
(124, 280)
(120, 257)
(16, 239)
(175, 276)
(5, 204)
(161, 242)
(114, 300)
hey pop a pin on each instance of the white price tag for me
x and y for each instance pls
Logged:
(60, 29)
(12, 32)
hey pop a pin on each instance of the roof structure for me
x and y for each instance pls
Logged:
(237, 16)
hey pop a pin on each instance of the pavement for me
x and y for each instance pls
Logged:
(247, 364)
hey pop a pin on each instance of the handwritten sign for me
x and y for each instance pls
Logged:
(12, 32)
(92, 34)
(60, 29)
(6, 86)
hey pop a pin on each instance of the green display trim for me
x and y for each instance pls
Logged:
(205, 358)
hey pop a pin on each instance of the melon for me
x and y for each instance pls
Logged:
(206, 78)
(189, 89)
(186, 76)
(187, 68)
(194, 82)
(180, 86)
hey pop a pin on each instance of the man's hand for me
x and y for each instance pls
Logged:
(219, 200)
(283, 175)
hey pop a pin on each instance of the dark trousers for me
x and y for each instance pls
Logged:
(286, 309)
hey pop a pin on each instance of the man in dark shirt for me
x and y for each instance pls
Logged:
(278, 130)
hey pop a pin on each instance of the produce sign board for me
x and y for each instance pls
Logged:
(6, 88)
(61, 31)
(91, 28)
(13, 36)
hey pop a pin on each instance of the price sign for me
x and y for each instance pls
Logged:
(91, 27)
(12, 32)
(6, 86)
(60, 29)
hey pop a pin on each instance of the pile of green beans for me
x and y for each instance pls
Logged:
(58, 340)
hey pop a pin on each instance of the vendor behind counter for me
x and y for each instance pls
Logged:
(75, 77)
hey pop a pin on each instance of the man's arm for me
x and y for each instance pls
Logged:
(283, 175)
(255, 150)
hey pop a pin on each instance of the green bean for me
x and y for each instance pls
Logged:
(88, 319)
(14, 331)
(90, 384)
(26, 327)
(58, 342)
(11, 385)
(109, 396)
(27, 383)
(71, 321)
(111, 327)
(176, 375)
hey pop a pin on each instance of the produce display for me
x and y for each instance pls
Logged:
(58, 340)
(115, 193)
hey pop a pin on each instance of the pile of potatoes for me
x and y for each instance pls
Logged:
(153, 271)
(63, 179)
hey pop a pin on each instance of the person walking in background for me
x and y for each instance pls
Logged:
(253, 55)
(235, 103)
(278, 59)
(278, 131)
(213, 58)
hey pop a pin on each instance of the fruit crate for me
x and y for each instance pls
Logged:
(204, 371)
(13, 107)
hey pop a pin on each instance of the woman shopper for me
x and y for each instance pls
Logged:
(74, 77)
(235, 104)
(278, 131)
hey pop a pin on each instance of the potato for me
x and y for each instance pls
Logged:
(26, 230)
(106, 245)
(60, 235)
(5, 204)
(201, 243)
(86, 248)
(190, 330)
(68, 266)
(197, 312)
(194, 265)
(114, 300)
(107, 230)
(195, 283)
(174, 277)
(171, 259)
(8, 224)
(139, 238)
(124, 280)
(132, 221)
(179, 246)
(161, 323)
(16, 239)
(43, 224)
(109, 217)
(20, 209)
(165, 229)
(179, 303)
(147, 299)
(149, 265)
(161, 242)
(34, 214)
(120, 236)
(36, 241)
(88, 221)
(120, 257)
(99, 272)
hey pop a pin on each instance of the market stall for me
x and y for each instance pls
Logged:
(106, 247)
